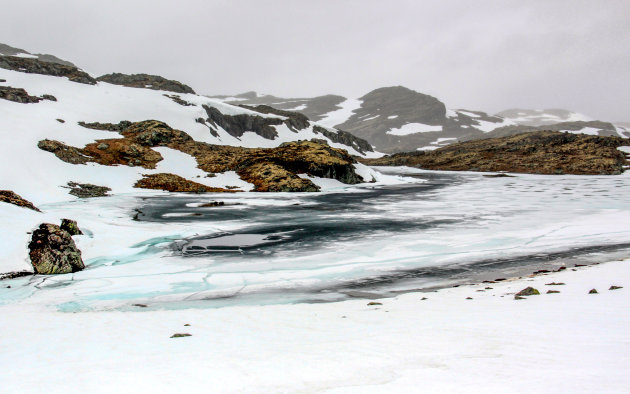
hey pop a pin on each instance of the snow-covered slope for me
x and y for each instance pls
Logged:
(40, 176)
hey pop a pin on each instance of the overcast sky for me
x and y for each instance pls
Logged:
(486, 55)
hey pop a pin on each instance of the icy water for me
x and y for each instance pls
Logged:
(438, 229)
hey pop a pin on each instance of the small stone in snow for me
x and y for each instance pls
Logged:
(552, 291)
(374, 303)
(424, 298)
(186, 325)
(554, 284)
(518, 297)
(615, 287)
(528, 291)
(140, 305)
(592, 291)
(469, 298)
(181, 335)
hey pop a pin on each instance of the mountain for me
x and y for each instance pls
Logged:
(69, 134)
(398, 119)
(7, 50)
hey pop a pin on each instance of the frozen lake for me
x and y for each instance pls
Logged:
(438, 229)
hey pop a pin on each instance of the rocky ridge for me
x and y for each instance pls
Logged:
(269, 169)
(36, 66)
(146, 81)
(11, 197)
(540, 152)
(7, 50)
(20, 95)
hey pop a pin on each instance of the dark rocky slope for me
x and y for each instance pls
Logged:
(20, 95)
(541, 152)
(146, 81)
(36, 66)
(272, 169)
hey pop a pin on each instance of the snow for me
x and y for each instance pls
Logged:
(342, 114)
(624, 149)
(487, 126)
(392, 117)
(298, 108)
(413, 128)
(471, 114)
(571, 342)
(584, 130)
(370, 118)
(440, 140)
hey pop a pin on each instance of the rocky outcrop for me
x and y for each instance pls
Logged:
(175, 183)
(12, 198)
(295, 120)
(20, 95)
(146, 81)
(36, 66)
(87, 190)
(237, 125)
(70, 226)
(271, 169)
(541, 152)
(118, 127)
(313, 107)
(345, 138)
(178, 100)
(52, 251)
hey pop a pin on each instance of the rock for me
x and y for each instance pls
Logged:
(61, 121)
(87, 190)
(12, 198)
(554, 284)
(49, 97)
(592, 291)
(295, 120)
(146, 81)
(119, 127)
(517, 297)
(175, 183)
(373, 303)
(615, 287)
(180, 335)
(17, 95)
(528, 291)
(15, 274)
(469, 298)
(36, 66)
(140, 305)
(2, 80)
(102, 146)
(424, 298)
(70, 226)
(186, 325)
(552, 291)
(52, 251)
(178, 100)
(212, 204)
(539, 152)
(269, 169)
(501, 175)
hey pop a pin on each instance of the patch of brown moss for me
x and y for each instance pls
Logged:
(540, 152)
(11, 197)
(175, 183)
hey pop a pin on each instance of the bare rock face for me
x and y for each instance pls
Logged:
(35, 66)
(10, 197)
(146, 81)
(52, 251)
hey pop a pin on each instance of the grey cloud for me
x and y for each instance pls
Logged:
(489, 55)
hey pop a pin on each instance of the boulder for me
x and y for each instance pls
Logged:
(70, 226)
(52, 251)
(528, 291)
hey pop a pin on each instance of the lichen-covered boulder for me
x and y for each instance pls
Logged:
(52, 251)
(70, 226)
